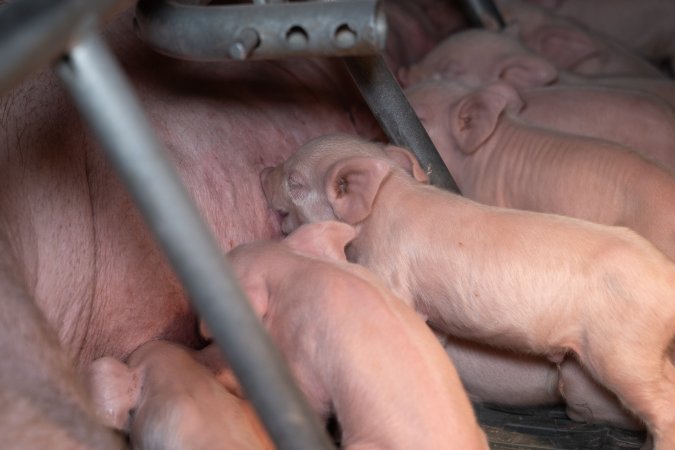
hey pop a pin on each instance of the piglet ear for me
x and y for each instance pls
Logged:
(474, 118)
(115, 390)
(529, 71)
(322, 239)
(564, 46)
(408, 162)
(351, 186)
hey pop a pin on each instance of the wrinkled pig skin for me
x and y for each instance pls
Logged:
(166, 400)
(640, 122)
(492, 375)
(483, 370)
(503, 161)
(539, 283)
(497, 376)
(80, 276)
(570, 46)
(647, 26)
(587, 401)
(637, 112)
(504, 57)
(354, 348)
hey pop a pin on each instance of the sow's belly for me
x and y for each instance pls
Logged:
(94, 269)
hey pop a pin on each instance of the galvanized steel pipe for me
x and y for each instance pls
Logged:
(274, 30)
(106, 102)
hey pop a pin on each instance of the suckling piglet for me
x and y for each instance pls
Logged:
(528, 281)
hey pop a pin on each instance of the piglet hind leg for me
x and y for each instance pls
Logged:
(642, 375)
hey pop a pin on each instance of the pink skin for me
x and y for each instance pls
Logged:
(570, 46)
(636, 112)
(78, 266)
(504, 57)
(538, 283)
(530, 380)
(164, 399)
(502, 160)
(496, 376)
(507, 55)
(354, 348)
(647, 26)
(643, 123)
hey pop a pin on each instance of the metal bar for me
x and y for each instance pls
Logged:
(396, 117)
(279, 30)
(483, 13)
(34, 33)
(104, 98)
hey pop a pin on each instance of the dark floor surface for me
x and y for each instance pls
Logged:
(549, 428)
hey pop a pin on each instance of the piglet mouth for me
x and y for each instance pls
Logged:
(281, 218)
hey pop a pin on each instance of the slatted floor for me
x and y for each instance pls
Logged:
(549, 428)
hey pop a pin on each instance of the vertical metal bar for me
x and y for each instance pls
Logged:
(104, 98)
(483, 13)
(396, 117)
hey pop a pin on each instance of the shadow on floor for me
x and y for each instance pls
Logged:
(549, 428)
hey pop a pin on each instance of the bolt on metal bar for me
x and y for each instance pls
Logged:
(396, 117)
(261, 31)
(483, 13)
(105, 100)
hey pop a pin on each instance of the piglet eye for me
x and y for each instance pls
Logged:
(296, 186)
(294, 183)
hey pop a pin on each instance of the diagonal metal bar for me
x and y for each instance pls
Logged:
(105, 100)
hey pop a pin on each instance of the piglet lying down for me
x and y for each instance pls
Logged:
(354, 349)
(527, 281)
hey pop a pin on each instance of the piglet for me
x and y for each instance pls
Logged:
(633, 111)
(501, 160)
(647, 26)
(166, 400)
(579, 49)
(539, 283)
(354, 348)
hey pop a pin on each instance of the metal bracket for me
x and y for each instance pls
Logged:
(261, 31)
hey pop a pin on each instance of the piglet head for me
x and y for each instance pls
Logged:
(460, 119)
(333, 177)
(476, 57)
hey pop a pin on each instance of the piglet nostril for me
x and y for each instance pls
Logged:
(281, 214)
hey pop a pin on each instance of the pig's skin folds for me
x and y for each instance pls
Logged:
(76, 262)
(540, 283)
(86, 255)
